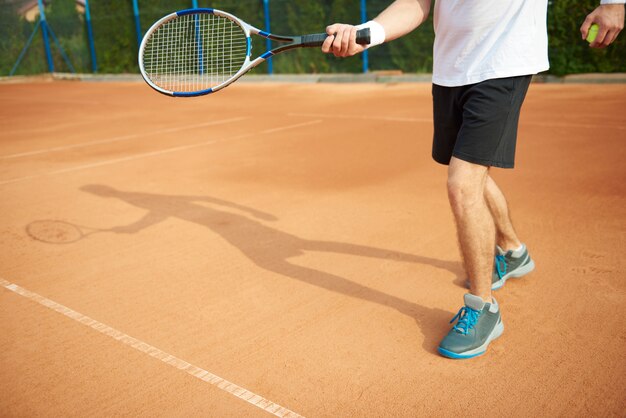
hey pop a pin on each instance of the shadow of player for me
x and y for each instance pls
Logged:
(271, 249)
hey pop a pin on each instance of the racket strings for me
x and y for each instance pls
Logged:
(195, 52)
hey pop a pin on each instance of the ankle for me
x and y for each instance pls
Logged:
(510, 245)
(485, 296)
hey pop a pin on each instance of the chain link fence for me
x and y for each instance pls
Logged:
(115, 36)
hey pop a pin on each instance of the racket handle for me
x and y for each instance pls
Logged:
(363, 36)
(317, 39)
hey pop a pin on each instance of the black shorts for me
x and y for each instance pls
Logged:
(478, 122)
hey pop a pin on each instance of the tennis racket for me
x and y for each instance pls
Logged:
(200, 51)
(59, 232)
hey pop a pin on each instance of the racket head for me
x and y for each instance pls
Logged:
(194, 52)
(55, 231)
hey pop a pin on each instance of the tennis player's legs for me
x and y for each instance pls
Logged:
(476, 129)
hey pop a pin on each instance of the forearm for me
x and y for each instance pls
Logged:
(400, 18)
(403, 16)
(148, 220)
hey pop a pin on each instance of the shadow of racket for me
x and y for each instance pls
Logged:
(60, 232)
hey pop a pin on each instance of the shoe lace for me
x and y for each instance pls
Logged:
(500, 265)
(467, 319)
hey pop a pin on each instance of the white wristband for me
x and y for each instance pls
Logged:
(377, 32)
(612, 1)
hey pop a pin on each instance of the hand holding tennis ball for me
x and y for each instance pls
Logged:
(603, 24)
(592, 33)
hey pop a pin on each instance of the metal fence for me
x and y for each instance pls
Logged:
(103, 35)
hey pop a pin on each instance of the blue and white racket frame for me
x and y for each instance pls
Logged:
(302, 41)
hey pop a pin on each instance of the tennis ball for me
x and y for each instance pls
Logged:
(593, 32)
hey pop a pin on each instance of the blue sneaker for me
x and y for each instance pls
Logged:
(510, 264)
(478, 324)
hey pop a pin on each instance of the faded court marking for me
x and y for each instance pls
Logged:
(155, 153)
(197, 372)
(403, 119)
(50, 128)
(363, 117)
(121, 138)
(285, 128)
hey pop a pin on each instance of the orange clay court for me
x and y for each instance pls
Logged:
(288, 249)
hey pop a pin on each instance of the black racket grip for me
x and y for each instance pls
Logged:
(317, 39)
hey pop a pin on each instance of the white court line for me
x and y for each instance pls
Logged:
(364, 117)
(154, 153)
(52, 101)
(115, 161)
(284, 128)
(46, 128)
(152, 351)
(121, 138)
(573, 125)
(398, 119)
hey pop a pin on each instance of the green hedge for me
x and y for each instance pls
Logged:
(116, 42)
(569, 54)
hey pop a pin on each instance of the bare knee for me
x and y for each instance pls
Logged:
(466, 185)
(463, 194)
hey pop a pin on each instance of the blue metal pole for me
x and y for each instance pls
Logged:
(366, 63)
(137, 23)
(92, 47)
(194, 4)
(63, 54)
(30, 41)
(199, 41)
(44, 32)
(268, 43)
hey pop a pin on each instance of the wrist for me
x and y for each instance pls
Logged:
(377, 32)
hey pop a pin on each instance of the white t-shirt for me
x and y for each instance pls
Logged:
(477, 40)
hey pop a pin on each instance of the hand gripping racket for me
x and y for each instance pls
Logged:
(200, 51)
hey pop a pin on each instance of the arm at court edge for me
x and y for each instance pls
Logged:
(609, 17)
(256, 213)
(148, 220)
(398, 19)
